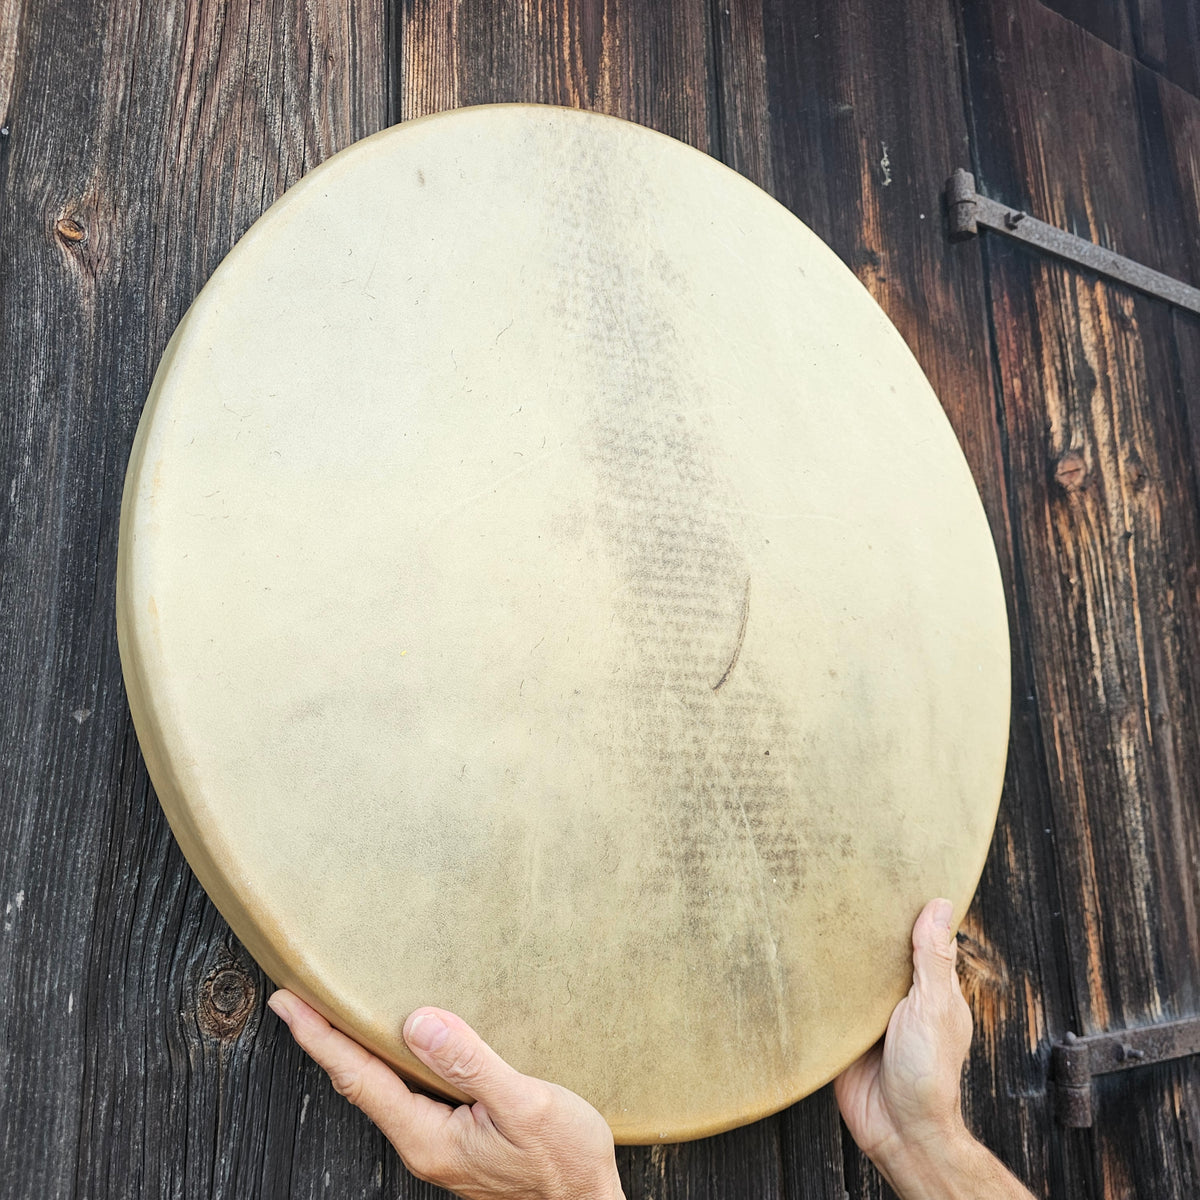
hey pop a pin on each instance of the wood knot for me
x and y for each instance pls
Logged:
(1071, 473)
(227, 998)
(867, 264)
(70, 231)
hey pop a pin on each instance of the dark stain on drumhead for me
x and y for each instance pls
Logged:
(737, 816)
(691, 729)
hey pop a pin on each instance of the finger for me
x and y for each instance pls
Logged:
(934, 948)
(366, 1081)
(857, 1075)
(456, 1053)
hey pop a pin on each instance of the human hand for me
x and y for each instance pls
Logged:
(901, 1101)
(906, 1090)
(521, 1137)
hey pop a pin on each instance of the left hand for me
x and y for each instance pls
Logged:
(521, 1137)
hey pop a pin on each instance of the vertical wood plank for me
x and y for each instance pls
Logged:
(1105, 513)
(740, 129)
(11, 12)
(142, 141)
(1171, 121)
(1161, 34)
(1126, 523)
(1167, 38)
(645, 63)
(1109, 20)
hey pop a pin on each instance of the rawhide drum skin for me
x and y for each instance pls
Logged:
(549, 589)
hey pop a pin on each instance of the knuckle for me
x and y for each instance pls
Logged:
(539, 1108)
(348, 1083)
(945, 950)
(464, 1065)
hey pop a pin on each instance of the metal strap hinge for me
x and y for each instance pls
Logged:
(1075, 1060)
(969, 211)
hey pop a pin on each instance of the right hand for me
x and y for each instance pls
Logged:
(905, 1092)
(901, 1100)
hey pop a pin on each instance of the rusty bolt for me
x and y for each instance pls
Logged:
(1071, 471)
(69, 230)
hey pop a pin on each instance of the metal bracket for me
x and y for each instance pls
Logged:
(968, 212)
(1075, 1060)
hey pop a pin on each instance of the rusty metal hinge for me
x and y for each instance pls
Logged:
(1075, 1060)
(968, 211)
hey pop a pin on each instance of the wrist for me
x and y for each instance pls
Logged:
(610, 1189)
(939, 1166)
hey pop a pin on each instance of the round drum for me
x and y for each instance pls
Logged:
(549, 589)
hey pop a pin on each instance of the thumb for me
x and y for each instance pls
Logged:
(934, 949)
(456, 1053)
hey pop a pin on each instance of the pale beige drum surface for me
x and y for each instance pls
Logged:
(549, 589)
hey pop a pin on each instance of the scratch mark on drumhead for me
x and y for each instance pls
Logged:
(493, 486)
(741, 637)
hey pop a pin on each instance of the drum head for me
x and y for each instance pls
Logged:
(550, 590)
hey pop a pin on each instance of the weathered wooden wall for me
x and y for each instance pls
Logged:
(140, 140)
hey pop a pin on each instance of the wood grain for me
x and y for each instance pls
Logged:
(645, 63)
(1106, 520)
(144, 139)
(1171, 120)
(1161, 34)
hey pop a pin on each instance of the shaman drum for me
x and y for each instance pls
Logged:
(549, 589)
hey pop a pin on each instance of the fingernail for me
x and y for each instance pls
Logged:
(943, 910)
(425, 1031)
(278, 1005)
